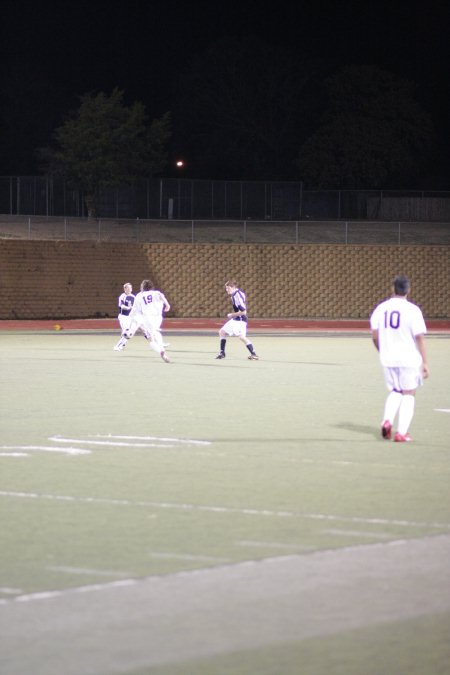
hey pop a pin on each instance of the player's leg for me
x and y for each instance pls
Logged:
(243, 337)
(156, 341)
(410, 379)
(223, 334)
(405, 415)
(392, 403)
(124, 324)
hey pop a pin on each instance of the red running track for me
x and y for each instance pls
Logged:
(285, 325)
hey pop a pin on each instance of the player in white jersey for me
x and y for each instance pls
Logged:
(147, 313)
(398, 330)
(237, 321)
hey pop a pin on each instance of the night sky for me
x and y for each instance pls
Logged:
(54, 52)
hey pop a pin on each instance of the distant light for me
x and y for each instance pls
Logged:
(180, 163)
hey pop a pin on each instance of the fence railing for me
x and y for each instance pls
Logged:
(225, 231)
(181, 199)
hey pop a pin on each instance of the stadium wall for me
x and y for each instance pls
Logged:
(60, 279)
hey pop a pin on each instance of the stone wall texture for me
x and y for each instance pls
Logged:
(60, 279)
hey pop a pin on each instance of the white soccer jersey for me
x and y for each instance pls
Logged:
(398, 321)
(149, 304)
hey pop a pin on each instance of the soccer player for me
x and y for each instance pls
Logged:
(398, 330)
(147, 313)
(237, 321)
(125, 303)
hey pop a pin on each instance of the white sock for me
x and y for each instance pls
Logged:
(405, 414)
(392, 405)
(156, 342)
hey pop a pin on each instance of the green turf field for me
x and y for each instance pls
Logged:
(214, 517)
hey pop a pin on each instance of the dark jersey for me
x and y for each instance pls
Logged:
(239, 304)
(125, 303)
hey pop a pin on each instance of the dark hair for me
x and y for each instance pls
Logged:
(401, 285)
(146, 285)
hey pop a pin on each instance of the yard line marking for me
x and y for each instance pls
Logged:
(82, 570)
(47, 448)
(274, 544)
(45, 595)
(338, 462)
(355, 533)
(447, 410)
(189, 441)
(123, 583)
(187, 556)
(222, 509)
(60, 439)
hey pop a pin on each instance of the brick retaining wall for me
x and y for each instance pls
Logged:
(59, 279)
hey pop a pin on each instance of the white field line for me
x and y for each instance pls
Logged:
(222, 509)
(273, 544)
(45, 595)
(446, 410)
(337, 462)
(357, 533)
(59, 439)
(189, 441)
(188, 557)
(82, 570)
(47, 448)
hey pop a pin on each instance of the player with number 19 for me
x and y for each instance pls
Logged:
(398, 330)
(147, 313)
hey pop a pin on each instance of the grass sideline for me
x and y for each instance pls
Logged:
(119, 469)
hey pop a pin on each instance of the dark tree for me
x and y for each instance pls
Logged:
(373, 133)
(106, 144)
(238, 111)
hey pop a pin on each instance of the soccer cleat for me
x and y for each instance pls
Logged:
(118, 348)
(165, 357)
(253, 357)
(221, 355)
(386, 430)
(399, 438)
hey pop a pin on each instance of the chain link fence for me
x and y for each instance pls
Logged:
(194, 200)
(224, 231)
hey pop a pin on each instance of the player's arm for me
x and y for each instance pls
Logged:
(375, 339)
(234, 315)
(166, 304)
(420, 344)
(133, 309)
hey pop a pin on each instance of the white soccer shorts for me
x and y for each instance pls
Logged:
(402, 379)
(235, 328)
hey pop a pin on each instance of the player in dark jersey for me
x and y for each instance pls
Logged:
(125, 303)
(237, 321)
